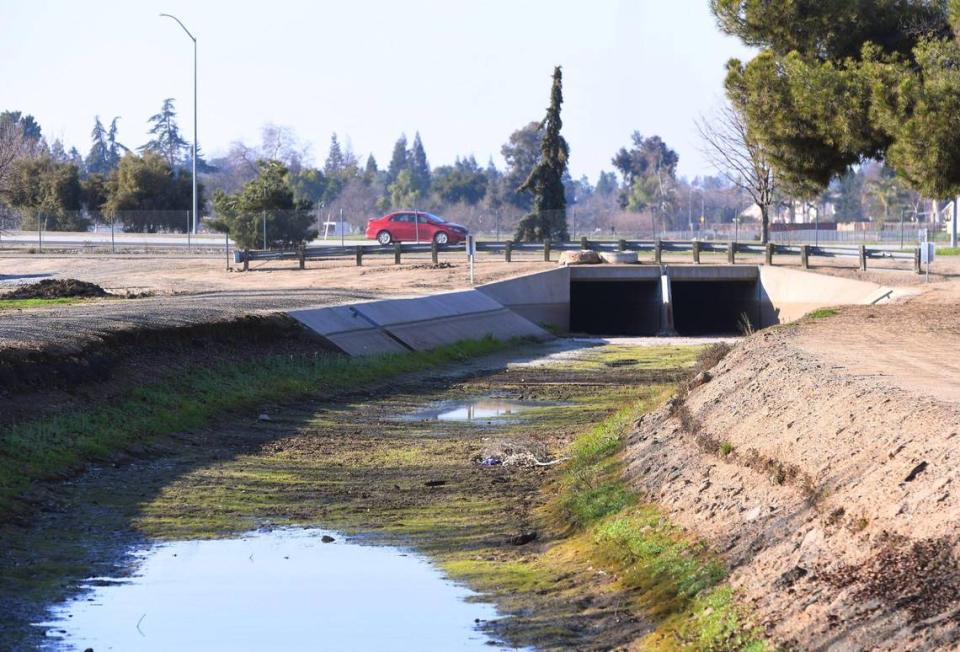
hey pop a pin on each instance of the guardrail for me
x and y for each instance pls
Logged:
(862, 253)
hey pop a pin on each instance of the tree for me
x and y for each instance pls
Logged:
(370, 170)
(419, 167)
(335, 162)
(739, 157)
(521, 152)
(105, 151)
(464, 181)
(399, 159)
(607, 184)
(269, 198)
(166, 139)
(403, 193)
(148, 195)
(48, 192)
(20, 137)
(545, 182)
(888, 69)
(649, 170)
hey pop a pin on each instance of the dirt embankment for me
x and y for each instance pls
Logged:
(832, 493)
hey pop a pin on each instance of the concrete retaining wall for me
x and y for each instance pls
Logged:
(542, 298)
(416, 324)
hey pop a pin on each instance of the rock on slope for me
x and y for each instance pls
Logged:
(833, 498)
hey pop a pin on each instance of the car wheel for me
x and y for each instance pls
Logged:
(441, 238)
(384, 238)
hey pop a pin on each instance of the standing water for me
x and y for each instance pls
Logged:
(278, 590)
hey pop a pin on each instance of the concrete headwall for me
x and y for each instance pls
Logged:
(542, 298)
(416, 324)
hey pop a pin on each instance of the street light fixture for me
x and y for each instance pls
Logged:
(196, 214)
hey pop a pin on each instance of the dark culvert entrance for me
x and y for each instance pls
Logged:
(713, 307)
(615, 307)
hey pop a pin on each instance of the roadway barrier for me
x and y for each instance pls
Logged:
(862, 253)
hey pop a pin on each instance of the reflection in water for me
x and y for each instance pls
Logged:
(473, 409)
(279, 590)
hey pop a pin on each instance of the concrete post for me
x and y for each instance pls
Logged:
(658, 251)
(696, 252)
(434, 252)
(666, 307)
(359, 256)
(732, 253)
(621, 245)
(863, 258)
(768, 254)
(805, 256)
(508, 250)
(396, 253)
(546, 251)
(584, 243)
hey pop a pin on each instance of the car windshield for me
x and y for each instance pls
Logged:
(433, 218)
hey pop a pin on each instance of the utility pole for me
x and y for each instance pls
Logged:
(196, 215)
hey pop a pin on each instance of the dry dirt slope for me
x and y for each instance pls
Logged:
(832, 493)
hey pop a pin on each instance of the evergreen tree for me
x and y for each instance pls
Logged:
(419, 167)
(399, 160)
(167, 141)
(521, 152)
(335, 163)
(545, 182)
(48, 192)
(371, 167)
(607, 184)
(149, 195)
(98, 158)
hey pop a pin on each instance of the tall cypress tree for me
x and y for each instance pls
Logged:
(398, 162)
(549, 219)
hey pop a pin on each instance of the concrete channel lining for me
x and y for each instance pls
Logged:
(416, 324)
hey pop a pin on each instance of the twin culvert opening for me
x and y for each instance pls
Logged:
(664, 306)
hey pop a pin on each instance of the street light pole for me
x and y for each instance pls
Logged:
(196, 214)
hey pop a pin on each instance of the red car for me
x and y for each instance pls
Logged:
(414, 226)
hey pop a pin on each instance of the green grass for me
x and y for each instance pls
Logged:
(9, 304)
(53, 448)
(679, 580)
(948, 251)
(822, 313)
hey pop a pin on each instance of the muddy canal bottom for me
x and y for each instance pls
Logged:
(280, 590)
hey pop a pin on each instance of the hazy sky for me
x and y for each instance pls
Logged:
(465, 74)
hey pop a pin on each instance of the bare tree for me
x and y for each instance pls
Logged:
(740, 158)
(14, 145)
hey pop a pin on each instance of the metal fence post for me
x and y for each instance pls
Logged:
(546, 251)
(508, 250)
(863, 258)
(396, 253)
(359, 256)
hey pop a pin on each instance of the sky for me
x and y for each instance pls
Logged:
(463, 74)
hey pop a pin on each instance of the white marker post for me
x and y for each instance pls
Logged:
(928, 251)
(471, 254)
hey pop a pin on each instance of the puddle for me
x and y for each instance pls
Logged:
(279, 590)
(480, 409)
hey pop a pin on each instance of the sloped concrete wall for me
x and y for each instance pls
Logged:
(788, 294)
(416, 324)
